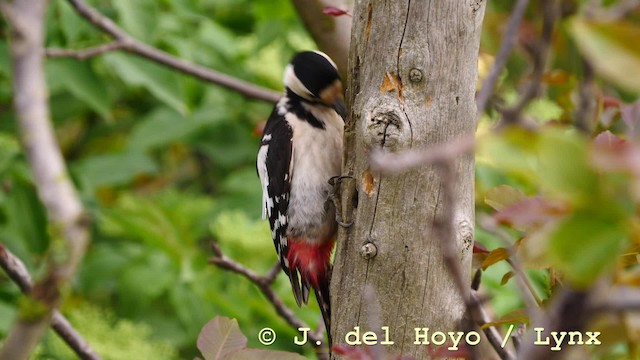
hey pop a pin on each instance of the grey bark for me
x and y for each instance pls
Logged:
(412, 79)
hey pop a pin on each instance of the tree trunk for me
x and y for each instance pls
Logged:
(412, 78)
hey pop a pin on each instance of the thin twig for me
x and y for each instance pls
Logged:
(586, 100)
(517, 268)
(527, 291)
(616, 299)
(481, 318)
(612, 13)
(264, 284)
(539, 53)
(508, 42)
(18, 273)
(85, 53)
(392, 163)
(129, 44)
(568, 312)
(443, 228)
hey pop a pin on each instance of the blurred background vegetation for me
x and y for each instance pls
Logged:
(165, 163)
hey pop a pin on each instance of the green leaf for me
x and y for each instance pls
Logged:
(503, 196)
(164, 126)
(586, 244)
(72, 25)
(163, 83)
(513, 317)
(101, 267)
(611, 48)
(78, 78)
(512, 151)
(27, 220)
(113, 169)
(565, 168)
(218, 38)
(112, 337)
(5, 63)
(138, 18)
(191, 309)
(220, 337)
(146, 279)
(544, 109)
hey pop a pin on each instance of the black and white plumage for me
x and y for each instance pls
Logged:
(301, 150)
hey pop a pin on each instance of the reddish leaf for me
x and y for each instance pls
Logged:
(607, 140)
(478, 248)
(495, 256)
(610, 101)
(259, 128)
(251, 354)
(220, 337)
(443, 352)
(531, 212)
(611, 153)
(352, 352)
(334, 11)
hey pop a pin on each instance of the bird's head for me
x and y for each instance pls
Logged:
(313, 76)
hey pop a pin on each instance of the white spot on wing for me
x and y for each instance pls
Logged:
(264, 179)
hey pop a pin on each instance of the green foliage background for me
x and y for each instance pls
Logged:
(165, 163)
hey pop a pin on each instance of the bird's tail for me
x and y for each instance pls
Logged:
(324, 302)
(312, 261)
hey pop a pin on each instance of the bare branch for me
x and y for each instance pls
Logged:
(391, 163)
(85, 53)
(539, 54)
(619, 298)
(444, 230)
(508, 42)
(264, 284)
(481, 318)
(331, 33)
(584, 115)
(524, 285)
(611, 13)
(55, 190)
(133, 46)
(568, 312)
(18, 273)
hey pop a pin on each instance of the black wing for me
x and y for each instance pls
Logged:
(274, 165)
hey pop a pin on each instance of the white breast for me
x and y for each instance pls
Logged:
(317, 156)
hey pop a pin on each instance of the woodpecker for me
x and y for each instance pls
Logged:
(301, 149)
